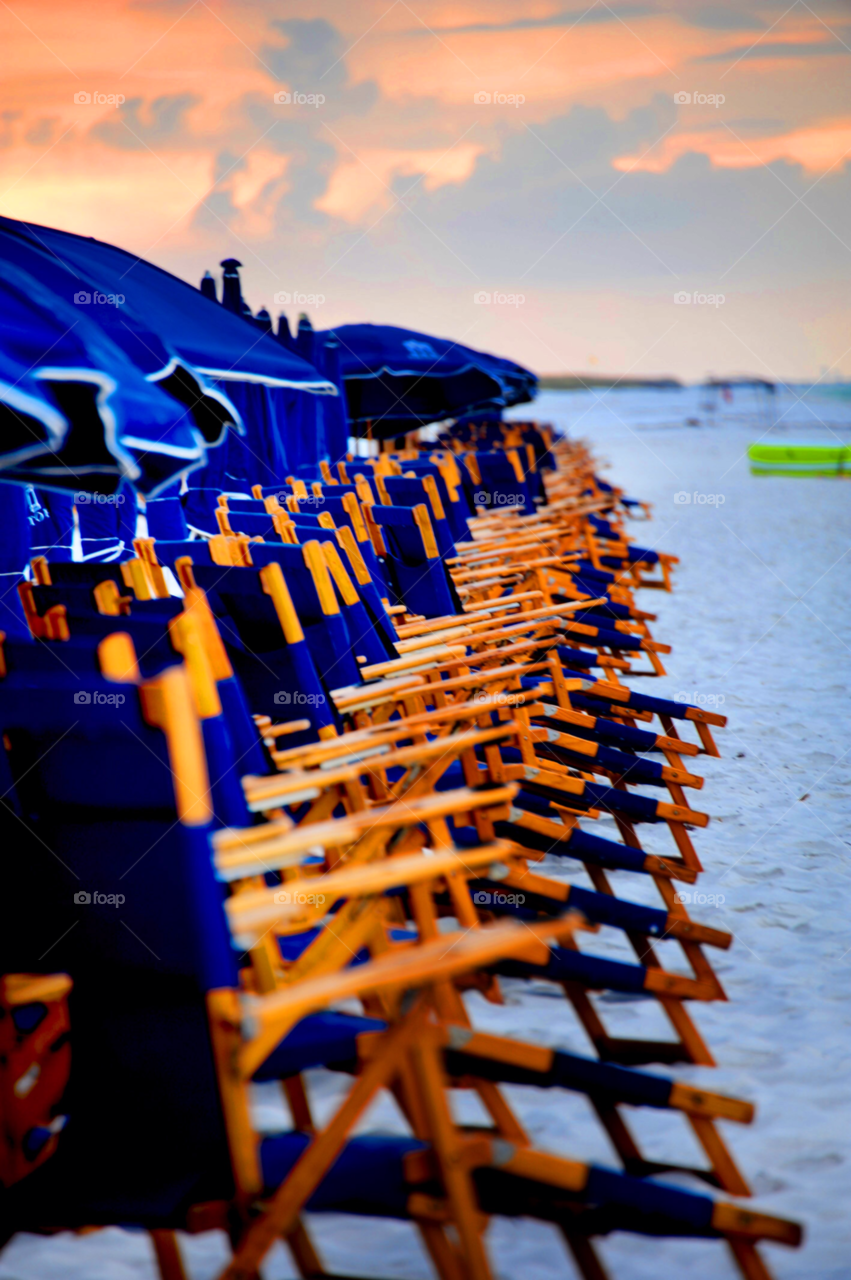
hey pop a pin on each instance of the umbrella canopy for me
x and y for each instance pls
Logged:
(397, 379)
(519, 385)
(224, 369)
(210, 409)
(198, 331)
(77, 413)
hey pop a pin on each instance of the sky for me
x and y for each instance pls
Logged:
(637, 188)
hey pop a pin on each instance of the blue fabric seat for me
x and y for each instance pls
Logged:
(326, 633)
(318, 1040)
(280, 680)
(107, 528)
(500, 489)
(254, 525)
(168, 551)
(422, 583)
(625, 736)
(578, 658)
(407, 492)
(632, 769)
(599, 852)
(457, 511)
(367, 1177)
(199, 510)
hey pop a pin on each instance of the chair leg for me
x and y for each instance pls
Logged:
(167, 1250)
(304, 1255)
(748, 1260)
(585, 1256)
(456, 1180)
(446, 1261)
(294, 1092)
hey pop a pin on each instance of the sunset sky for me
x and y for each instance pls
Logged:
(525, 151)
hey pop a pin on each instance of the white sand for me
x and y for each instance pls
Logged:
(759, 618)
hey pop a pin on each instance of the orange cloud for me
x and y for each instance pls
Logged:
(360, 185)
(817, 149)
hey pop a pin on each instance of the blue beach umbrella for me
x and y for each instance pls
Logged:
(221, 365)
(212, 340)
(397, 379)
(157, 360)
(519, 385)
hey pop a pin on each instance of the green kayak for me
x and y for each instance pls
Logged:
(800, 459)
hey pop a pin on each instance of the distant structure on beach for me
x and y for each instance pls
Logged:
(742, 380)
(579, 382)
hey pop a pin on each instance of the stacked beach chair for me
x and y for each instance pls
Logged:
(299, 785)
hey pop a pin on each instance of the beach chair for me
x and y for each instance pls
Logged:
(407, 1056)
(449, 487)
(608, 549)
(306, 901)
(404, 538)
(568, 801)
(412, 491)
(119, 1027)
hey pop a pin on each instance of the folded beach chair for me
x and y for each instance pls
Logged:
(466, 1179)
(168, 1163)
(611, 760)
